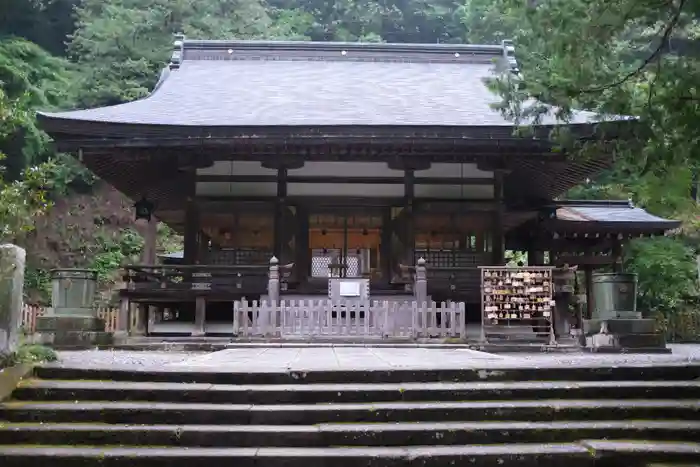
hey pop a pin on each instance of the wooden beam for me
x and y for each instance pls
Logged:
(340, 179)
(583, 260)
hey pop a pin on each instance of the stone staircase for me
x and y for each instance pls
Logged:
(526, 417)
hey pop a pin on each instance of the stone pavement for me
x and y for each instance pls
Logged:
(264, 359)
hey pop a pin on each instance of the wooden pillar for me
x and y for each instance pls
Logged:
(148, 254)
(280, 206)
(191, 253)
(535, 257)
(302, 253)
(203, 248)
(617, 256)
(192, 222)
(498, 241)
(409, 197)
(588, 270)
(385, 245)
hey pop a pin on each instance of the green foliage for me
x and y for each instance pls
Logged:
(110, 255)
(667, 271)
(487, 21)
(28, 354)
(30, 79)
(37, 281)
(46, 23)
(168, 241)
(122, 45)
(67, 175)
(22, 201)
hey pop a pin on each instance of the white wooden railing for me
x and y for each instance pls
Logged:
(318, 318)
(313, 318)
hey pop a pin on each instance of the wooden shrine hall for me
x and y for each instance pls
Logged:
(348, 160)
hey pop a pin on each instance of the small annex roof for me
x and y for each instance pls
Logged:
(264, 83)
(172, 258)
(610, 214)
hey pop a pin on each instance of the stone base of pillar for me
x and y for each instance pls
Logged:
(69, 331)
(200, 316)
(140, 313)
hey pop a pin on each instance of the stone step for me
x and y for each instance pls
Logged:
(58, 390)
(209, 414)
(346, 434)
(584, 454)
(495, 371)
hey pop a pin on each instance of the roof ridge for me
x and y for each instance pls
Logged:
(189, 49)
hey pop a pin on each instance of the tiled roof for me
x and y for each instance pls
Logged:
(611, 213)
(215, 83)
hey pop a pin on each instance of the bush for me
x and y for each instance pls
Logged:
(28, 354)
(667, 274)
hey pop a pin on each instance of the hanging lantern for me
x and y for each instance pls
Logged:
(144, 210)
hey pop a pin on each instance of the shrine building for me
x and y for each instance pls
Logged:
(341, 160)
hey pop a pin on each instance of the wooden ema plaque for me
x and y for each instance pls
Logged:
(516, 294)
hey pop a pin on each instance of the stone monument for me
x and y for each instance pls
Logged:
(72, 320)
(12, 260)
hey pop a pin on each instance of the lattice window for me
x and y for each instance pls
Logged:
(235, 257)
(451, 259)
(353, 266)
(321, 261)
(319, 266)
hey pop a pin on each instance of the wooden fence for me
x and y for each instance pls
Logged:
(31, 312)
(381, 319)
(318, 318)
(309, 318)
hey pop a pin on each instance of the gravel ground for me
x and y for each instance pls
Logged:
(339, 358)
(108, 358)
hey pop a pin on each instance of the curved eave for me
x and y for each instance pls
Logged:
(63, 128)
(561, 226)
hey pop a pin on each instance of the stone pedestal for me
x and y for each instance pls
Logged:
(72, 321)
(12, 260)
(625, 334)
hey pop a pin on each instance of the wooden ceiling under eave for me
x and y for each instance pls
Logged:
(158, 174)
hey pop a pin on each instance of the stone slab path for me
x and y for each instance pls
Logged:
(272, 359)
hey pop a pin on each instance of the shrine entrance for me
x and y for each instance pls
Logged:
(345, 242)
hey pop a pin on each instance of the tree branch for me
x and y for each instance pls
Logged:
(654, 55)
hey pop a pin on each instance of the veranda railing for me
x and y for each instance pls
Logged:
(372, 319)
